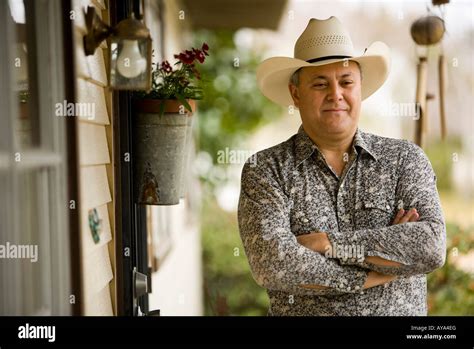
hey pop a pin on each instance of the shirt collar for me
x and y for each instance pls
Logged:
(364, 141)
(305, 147)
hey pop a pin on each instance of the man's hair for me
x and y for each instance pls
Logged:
(295, 77)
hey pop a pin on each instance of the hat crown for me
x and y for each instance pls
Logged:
(323, 38)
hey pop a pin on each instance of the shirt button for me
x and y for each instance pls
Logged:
(388, 207)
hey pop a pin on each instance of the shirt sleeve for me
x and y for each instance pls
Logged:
(276, 259)
(419, 246)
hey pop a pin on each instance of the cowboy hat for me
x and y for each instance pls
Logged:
(322, 42)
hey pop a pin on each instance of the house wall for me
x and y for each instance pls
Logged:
(174, 230)
(177, 285)
(96, 170)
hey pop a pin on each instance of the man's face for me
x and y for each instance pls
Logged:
(329, 98)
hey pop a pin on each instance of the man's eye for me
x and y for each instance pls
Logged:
(347, 82)
(319, 85)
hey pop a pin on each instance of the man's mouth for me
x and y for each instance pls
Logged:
(334, 110)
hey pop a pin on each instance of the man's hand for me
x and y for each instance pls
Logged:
(316, 241)
(403, 217)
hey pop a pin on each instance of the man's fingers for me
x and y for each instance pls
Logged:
(414, 217)
(399, 215)
(406, 218)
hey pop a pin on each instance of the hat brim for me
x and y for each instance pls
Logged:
(273, 74)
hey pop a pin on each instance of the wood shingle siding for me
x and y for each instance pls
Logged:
(96, 175)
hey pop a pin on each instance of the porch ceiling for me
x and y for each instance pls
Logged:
(235, 14)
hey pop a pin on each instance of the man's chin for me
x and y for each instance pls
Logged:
(334, 127)
(339, 128)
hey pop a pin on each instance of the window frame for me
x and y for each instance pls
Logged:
(48, 29)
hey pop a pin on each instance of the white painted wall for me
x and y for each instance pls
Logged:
(177, 285)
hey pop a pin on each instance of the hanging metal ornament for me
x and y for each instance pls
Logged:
(428, 31)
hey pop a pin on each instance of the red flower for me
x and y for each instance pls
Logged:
(166, 67)
(205, 48)
(187, 57)
(180, 79)
(199, 55)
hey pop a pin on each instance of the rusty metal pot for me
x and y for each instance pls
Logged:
(159, 151)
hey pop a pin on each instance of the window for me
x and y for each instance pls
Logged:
(34, 237)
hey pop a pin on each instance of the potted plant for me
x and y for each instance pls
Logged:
(162, 128)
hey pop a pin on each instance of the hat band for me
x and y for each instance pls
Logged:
(325, 58)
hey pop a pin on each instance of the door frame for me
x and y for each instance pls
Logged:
(130, 219)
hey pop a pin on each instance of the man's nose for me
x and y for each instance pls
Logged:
(334, 92)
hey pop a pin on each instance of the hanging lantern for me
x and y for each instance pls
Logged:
(130, 50)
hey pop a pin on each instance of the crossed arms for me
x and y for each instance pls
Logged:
(414, 244)
(318, 241)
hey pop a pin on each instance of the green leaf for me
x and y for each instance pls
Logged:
(162, 108)
(184, 101)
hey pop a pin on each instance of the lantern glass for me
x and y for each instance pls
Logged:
(130, 63)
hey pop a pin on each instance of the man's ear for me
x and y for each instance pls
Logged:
(294, 94)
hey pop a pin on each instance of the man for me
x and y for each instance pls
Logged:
(337, 221)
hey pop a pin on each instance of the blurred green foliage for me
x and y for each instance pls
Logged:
(450, 290)
(229, 286)
(232, 108)
(231, 111)
(442, 154)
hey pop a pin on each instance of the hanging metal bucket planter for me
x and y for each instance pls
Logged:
(159, 151)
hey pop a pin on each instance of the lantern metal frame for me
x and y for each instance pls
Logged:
(127, 29)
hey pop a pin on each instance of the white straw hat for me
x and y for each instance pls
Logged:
(322, 42)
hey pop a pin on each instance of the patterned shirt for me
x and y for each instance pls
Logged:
(289, 190)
